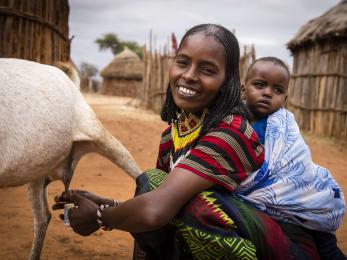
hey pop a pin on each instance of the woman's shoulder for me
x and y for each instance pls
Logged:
(236, 122)
(167, 130)
(166, 134)
(237, 125)
(233, 120)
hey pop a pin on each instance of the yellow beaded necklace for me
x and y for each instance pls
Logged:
(186, 129)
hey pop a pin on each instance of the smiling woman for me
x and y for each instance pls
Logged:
(207, 150)
(197, 74)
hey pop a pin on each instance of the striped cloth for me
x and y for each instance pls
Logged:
(226, 155)
(216, 224)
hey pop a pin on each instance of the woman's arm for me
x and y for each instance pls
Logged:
(146, 212)
(154, 209)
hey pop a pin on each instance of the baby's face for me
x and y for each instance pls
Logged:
(266, 88)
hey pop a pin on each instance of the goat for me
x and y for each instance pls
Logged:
(46, 126)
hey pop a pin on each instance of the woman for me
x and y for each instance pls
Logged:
(208, 149)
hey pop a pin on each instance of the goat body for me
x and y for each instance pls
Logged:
(45, 128)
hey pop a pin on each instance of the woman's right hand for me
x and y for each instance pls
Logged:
(83, 216)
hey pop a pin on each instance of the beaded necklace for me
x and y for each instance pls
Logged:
(185, 130)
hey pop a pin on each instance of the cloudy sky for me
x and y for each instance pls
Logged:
(268, 24)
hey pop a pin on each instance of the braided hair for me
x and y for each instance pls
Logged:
(228, 99)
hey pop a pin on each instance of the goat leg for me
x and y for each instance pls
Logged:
(37, 193)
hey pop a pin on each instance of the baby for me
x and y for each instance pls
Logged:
(289, 186)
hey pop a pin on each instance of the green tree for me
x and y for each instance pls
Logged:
(111, 41)
(88, 70)
(135, 47)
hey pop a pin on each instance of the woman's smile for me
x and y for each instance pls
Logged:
(186, 92)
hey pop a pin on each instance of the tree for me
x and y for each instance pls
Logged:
(88, 70)
(135, 47)
(111, 41)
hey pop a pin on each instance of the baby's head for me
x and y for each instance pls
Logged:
(266, 86)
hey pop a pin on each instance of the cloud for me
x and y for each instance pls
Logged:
(269, 24)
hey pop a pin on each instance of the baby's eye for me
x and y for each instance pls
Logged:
(278, 90)
(259, 84)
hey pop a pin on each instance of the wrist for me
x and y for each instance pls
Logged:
(109, 202)
(99, 217)
(100, 211)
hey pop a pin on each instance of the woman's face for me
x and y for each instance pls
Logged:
(197, 72)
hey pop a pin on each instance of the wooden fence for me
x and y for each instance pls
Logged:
(35, 30)
(318, 89)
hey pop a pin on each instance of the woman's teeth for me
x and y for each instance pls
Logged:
(186, 91)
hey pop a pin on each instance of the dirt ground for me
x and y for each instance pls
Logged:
(139, 131)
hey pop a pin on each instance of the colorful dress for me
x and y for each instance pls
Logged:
(226, 155)
(216, 224)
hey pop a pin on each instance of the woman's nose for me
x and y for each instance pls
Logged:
(190, 74)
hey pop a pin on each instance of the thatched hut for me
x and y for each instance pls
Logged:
(123, 76)
(318, 89)
(35, 30)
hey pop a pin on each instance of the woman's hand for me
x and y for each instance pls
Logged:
(82, 217)
(62, 199)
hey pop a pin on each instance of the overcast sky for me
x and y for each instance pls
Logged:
(268, 24)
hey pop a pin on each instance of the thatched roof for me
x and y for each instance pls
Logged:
(126, 65)
(331, 24)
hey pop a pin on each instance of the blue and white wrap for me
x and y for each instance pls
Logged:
(289, 186)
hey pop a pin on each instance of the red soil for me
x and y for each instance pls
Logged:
(139, 131)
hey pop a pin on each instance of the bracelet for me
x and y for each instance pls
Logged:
(99, 215)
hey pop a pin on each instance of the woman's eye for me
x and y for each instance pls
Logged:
(181, 62)
(207, 70)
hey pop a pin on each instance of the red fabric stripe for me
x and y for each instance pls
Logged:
(250, 143)
(209, 160)
(206, 177)
(228, 150)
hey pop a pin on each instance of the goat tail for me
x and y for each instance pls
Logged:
(114, 150)
(91, 136)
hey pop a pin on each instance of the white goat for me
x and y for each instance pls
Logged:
(45, 128)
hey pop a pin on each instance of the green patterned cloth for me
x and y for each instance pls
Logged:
(219, 225)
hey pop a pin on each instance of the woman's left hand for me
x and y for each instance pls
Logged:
(82, 217)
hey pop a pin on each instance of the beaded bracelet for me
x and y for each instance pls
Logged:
(98, 217)
(99, 214)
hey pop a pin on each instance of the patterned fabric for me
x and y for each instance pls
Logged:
(185, 132)
(289, 186)
(219, 225)
(225, 155)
